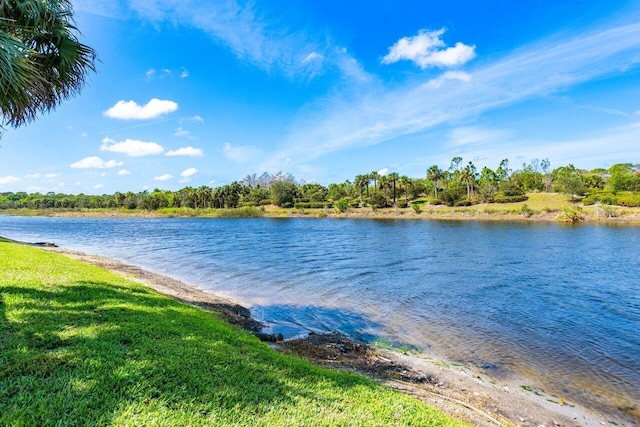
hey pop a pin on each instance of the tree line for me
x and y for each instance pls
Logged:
(461, 184)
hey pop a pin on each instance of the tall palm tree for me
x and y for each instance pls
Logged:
(435, 174)
(404, 182)
(41, 60)
(393, 177)
(468, 175)
(374, 176)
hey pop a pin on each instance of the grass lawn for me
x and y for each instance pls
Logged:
(82, 346)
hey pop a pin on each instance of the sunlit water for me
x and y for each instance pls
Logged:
(557, 305)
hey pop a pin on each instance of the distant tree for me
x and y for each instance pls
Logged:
(620, 177)
(568, 179)
(41, 60)
(283, 193)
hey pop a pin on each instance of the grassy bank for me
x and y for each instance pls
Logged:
(82, 346)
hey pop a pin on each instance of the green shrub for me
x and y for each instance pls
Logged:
(265, 202)
(571, 214)
(526, 211)
(341, 205)
(416, 208)
(402, 205)
(462, 203)
(378, 200)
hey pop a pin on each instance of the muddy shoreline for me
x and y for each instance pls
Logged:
(456, 390)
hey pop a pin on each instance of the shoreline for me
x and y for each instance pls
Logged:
(455, 389)
(505, 213)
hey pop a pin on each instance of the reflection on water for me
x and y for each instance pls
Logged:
(559, 304)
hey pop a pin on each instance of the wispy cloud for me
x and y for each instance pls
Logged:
(381, 114)
(241, 154)
(123, 172)
(469, 135)
(10, 179)
(130, 110)
(32, 175)
(254, 33)
(181, 132)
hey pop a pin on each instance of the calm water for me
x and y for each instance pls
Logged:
(556, 306)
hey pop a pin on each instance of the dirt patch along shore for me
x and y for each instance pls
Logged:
(458, 393)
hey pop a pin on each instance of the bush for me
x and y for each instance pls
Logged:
(416, 208)
(462, 203)
(341, 205)
(378, 200)
(265, 202)
(571, 214)
(526, 211)
(402, 205)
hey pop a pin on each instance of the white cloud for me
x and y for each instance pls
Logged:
(427, 50)
(10, 179)
(131, 147)
(188, 172)
(165, 177)
(150, 73)
(241, 154)
(95, 162)
(98, 186)
(128, 110)
(34, 189)
(196, 119)
(123, 172)
(184, 73)
(51, 175)
(383, 171)
(186, 151)
(32, 175)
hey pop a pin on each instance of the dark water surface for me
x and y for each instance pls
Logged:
(558, 306)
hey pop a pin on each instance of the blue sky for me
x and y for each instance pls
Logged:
(198, 93)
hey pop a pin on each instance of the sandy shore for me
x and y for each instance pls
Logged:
(456, 390)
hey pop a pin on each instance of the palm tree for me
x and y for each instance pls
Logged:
(435, 174)
(468, 175)
(359, 182)
(41, 60)
(393, 177)
(404, 182)
(374, 176)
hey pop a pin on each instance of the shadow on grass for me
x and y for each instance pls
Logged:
(93, 353)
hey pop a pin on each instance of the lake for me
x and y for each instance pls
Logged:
(556, 306)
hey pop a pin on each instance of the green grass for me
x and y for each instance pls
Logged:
(82, 346)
